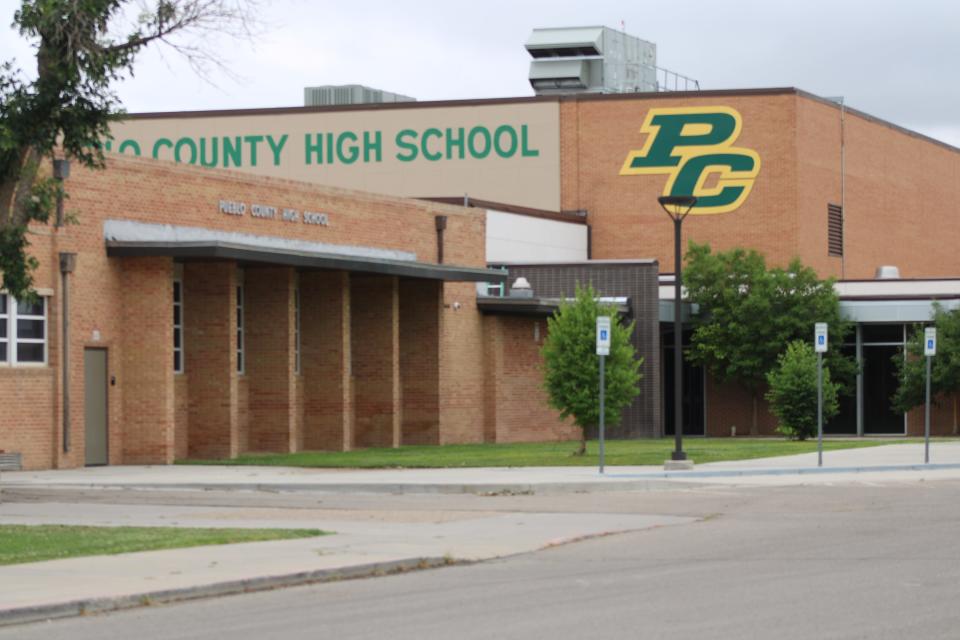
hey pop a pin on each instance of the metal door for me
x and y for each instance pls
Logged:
(95, 405)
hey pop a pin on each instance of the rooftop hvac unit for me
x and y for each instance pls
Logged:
(597, 60)
(332, 95)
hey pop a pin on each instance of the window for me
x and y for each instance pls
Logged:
(296, 329)
(834, 230)
(23, 331)
(177, 326)
(240, 362)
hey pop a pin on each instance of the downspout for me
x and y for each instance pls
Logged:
(68, 262)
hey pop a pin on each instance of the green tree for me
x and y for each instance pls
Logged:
(748, 313)
(571, 364)
(83, 47)
(944, 369)
(793, 391)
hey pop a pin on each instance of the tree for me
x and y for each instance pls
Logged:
(571, 363)
(82, 49)
(749, 313)
(944, 369)
(793, 391)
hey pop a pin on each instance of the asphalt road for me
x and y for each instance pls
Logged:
(854, 561)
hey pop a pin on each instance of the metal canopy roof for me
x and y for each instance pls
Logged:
(132, 239)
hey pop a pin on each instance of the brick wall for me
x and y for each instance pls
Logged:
(125, 306)
(375, 349)
(892, 177)
(269, 349)
(420, 308)
(147, 365)
(328, 392)
(210, 360)
(518, 409)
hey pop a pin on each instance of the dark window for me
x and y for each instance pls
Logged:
(834, 230)
(888, 333)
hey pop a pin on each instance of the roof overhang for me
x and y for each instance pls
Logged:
(537, 306)
(134, 239)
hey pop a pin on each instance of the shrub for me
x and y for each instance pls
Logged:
(793, 392)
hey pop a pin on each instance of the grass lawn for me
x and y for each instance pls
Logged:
(32, 543)
(540, 454)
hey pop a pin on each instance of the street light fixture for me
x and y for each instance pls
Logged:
(677, 207)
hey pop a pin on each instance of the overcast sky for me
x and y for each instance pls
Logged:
(896, 60)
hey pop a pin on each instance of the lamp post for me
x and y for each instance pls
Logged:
(677, 207)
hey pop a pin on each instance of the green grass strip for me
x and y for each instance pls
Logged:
(544, 454)
(33, 543)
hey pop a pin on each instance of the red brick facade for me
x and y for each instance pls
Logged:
(385, 360)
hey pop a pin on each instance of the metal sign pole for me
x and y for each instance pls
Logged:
(926, 419)
(602, 412)
(820, 346)
(819, 409)
(604, 336)
(929, 350)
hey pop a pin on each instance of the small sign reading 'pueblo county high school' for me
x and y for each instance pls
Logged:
(266, 212)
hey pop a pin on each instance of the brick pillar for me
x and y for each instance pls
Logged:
(325, 343)
(147, 362)
(420, 305)
(210, 358)
(375, 348)
(269, 314)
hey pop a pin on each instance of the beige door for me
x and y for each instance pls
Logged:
(95, 405)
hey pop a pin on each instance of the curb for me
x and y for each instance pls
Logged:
(784, 471)
(22, 615)
(393, 488)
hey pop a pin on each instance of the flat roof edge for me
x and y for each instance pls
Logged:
(216, 250)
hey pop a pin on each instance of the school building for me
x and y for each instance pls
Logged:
(338, 277)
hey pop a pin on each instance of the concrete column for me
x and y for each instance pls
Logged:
(147, 361)
(269, 314)
(375, 340)
(420, 306)
(210, 359)
(325, 340)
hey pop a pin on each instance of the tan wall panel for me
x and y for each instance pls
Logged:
(529, 175)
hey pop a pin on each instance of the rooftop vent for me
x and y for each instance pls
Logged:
(521, 288)
(887, 272)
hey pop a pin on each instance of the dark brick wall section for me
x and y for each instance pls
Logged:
(637, 280)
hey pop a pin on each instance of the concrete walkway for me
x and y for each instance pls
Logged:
(893, 458)
(366, 542)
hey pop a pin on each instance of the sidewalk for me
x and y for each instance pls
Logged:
(889, 459)
(365, 543)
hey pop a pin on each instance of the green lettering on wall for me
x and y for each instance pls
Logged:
(376, 144)
(525, 149)
(313, 148)
(353, 151)
(127, 144)
(475, 151)
(253, 141)
(276, 148)
(455, 142)
(232, 151)
(185, 142)
(409, 147)
(161, 142)
(432, 132)
(214, 152)
(329, 148)
(508, 150)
